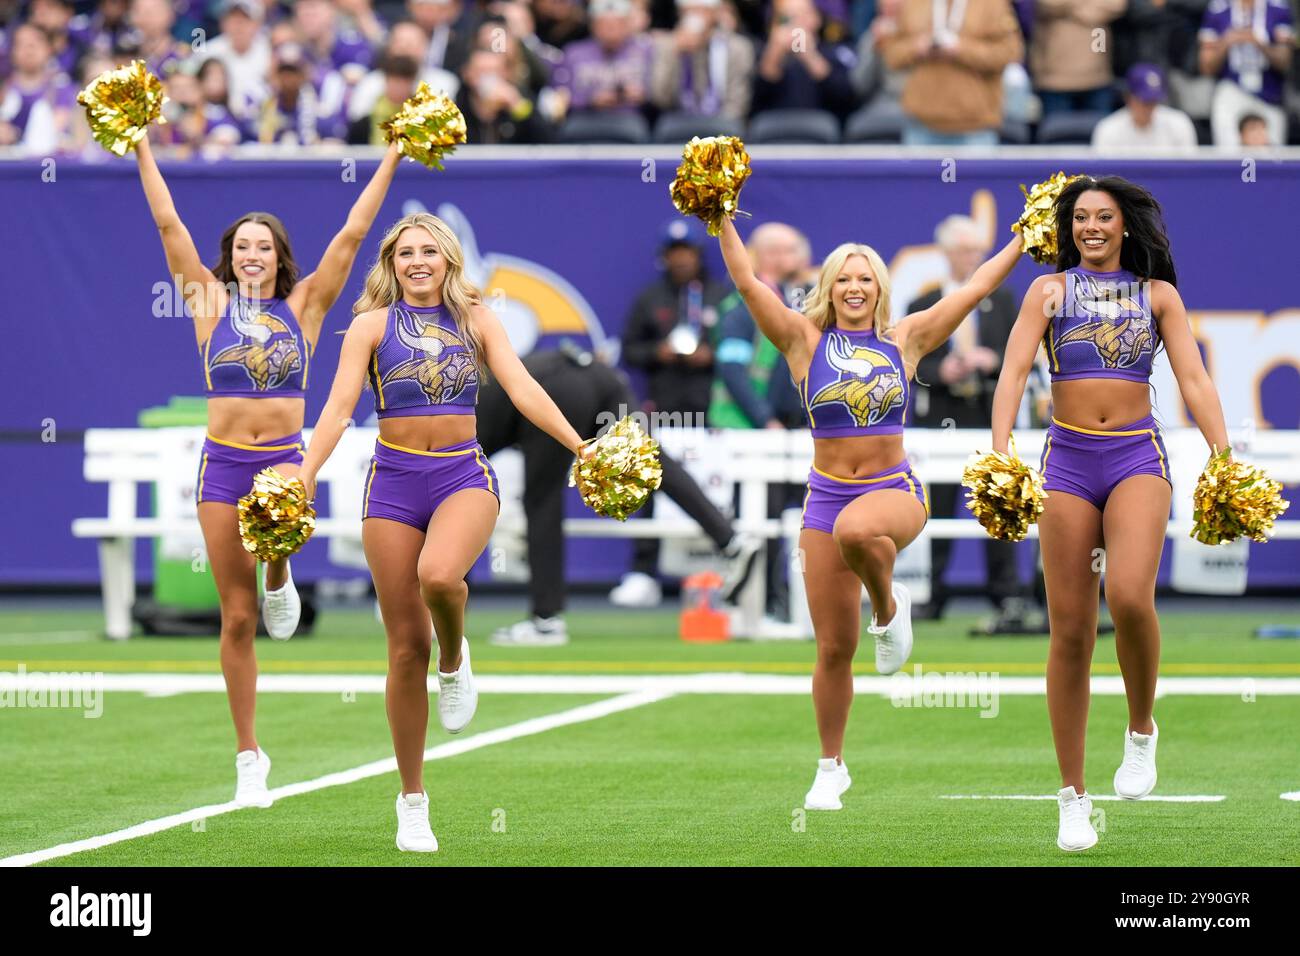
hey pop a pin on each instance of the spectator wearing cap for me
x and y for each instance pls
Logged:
(956, 53)
(798, 69)
(1247, 46)
(152, 22)
(55, 18)
(406, 40)
(401, 76)
(245, 49)
(292, 114)
(450, 30)
(701, 67)
(611, 71)
(560, 22)
(1144, 122)
(36, 100)
(495, 110)
(1069, 54)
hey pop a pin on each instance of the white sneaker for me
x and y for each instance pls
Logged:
(894, 640)
(413, 831)
(251, 769)
(534, 632)
(1075, 831)
(741, 553)
(281, 608)
(1136, 776)
(457, 695)
(637, 590)
(832, 780)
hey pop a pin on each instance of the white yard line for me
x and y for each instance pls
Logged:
(1177, 798)
(535, 725)
(1292, 795)
(931, 689)
(48, 637)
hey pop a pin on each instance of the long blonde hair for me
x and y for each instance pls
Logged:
(459, 295)
(819, 308)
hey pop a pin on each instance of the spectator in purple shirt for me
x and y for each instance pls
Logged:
(611, 71)
(328, 45)
(37, 98)
(55, 18)
(152, 21)
(1247, 44)
(293, 114)
(797, 69)
(102, 31)
(214, 86)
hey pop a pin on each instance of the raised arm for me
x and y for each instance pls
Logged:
(316, 294)
(1194, 382)
(199, 286)
(524, 392)
(786, 329)
(1039, 306)
(362, 336)
(922, 332)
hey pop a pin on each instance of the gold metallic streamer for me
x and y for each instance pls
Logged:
(618, 478)
(1004, 494)
(275, 518)
(120, 104)
(428, 127)
(1037, 224)
(1234, 500)
(709, 179)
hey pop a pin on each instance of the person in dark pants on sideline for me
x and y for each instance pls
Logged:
(668, 337)
(954, 389)
(584, 388)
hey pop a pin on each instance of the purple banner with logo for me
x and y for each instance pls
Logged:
(561, 248)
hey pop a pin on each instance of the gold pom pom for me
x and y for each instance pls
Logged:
(709, 179)
(1037, 224)
(1233, 500)
(618, 478)
(275, 518)
(428, 127)
(120, 104)
(1005, 495)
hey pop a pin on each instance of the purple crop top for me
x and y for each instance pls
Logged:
(422, 365)
(1104, 328)
(256, 350)
(856, 385)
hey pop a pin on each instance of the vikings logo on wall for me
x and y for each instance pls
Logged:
(874, 387)
(441, 362)
(1121, 329)
(272, 354)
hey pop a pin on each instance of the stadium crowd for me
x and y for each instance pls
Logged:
(1122, 74)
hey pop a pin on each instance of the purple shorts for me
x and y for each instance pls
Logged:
(1089, 464)
(827, 495)
(408, 486)
(226, 468)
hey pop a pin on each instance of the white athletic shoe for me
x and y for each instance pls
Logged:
(534, 632)
(832, 780)
(637, 590)
(894, 640)
(1136, 776)
(251, 769)
(1075, 832)
(413, 831)
(742, 554)
(457, 695)
(281, 608)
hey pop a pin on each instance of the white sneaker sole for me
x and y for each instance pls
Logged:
(837, 805)
(1137, 796)
(418, 849)
(1076, 849)
(261, 803)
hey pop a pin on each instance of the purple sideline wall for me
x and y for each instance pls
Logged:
(82, 258)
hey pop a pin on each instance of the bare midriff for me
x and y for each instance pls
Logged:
(1100, 403)
(857, 456)
(254, 421)
(428, 432)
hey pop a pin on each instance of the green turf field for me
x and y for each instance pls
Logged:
(696, 778)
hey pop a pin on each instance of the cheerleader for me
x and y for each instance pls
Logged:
(423, 340)
(1101, 317)
(256, 324)
(863, 504)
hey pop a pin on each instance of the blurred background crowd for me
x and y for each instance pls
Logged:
(1144, 75)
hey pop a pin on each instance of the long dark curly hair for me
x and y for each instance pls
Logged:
(1143, 252)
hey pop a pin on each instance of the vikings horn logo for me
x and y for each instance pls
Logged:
(441, 371)
(874, 387)
(1119, 341)
(268, 360)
